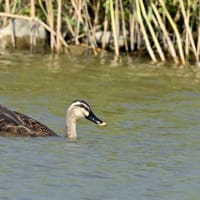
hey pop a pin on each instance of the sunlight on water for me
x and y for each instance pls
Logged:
(149, 150)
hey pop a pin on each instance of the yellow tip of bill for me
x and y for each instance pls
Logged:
(102, 124)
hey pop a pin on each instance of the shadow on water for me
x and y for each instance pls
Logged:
(146, 150)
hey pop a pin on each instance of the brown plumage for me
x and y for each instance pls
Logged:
(17, 124)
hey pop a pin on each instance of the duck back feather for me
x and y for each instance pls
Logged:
(17, 124)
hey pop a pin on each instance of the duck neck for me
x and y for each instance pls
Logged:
(71, 127)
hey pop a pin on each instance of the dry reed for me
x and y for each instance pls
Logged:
(147, 26)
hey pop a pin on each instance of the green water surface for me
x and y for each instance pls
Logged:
(149, 150)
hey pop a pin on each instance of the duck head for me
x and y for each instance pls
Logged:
(77, 110)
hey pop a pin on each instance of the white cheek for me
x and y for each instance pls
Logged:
(86, 113)
(80, 113)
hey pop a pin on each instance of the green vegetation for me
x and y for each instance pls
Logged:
(163, 28)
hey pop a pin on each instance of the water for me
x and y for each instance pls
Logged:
(149, 150)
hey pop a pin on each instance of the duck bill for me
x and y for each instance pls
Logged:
(92, 117)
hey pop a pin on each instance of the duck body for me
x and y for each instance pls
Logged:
(13, 123)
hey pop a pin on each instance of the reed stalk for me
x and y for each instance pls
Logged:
(48, 28)
(32, 24)
(188, 29)
(77, 7)
(90, 34)
(58, 28)
(123, 26)
(7, 9)
(105, 26)
(96, 22)
(147, 42)
(116, 14)
(187, 41)
(43, 9)
(132, 29)
(96, 17)
(114, 29)
(50, 19)
(165, 33)
(174, 27)
(154, 38)
(32, 9)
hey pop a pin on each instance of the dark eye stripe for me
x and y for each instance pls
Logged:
(83, 106)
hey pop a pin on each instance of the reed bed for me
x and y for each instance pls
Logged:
(163, 29)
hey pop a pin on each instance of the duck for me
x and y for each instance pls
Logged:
(14, 123)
